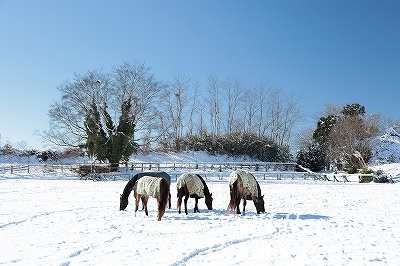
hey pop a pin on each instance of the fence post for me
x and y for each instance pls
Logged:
(11, 170)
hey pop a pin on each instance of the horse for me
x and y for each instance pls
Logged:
(156, 187)
(123, 200)
(192, 185)
(243, 185)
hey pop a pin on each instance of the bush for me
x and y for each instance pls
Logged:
(238, 144)
(382, 179)
(366, 171)
(312, 157)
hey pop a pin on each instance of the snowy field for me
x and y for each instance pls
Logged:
(56, 219)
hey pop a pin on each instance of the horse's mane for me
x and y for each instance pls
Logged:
(164, 194)
(259, 190)
(206, 191)
(129, 186)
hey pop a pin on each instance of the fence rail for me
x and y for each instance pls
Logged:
(261, 170)
(256, 166)
(28, 168)
(148, 166)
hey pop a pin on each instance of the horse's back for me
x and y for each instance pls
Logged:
(193, 183)
(148, 185)
(247, 179)
(156, 174)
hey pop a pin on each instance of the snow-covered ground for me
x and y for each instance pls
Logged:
(53, 218)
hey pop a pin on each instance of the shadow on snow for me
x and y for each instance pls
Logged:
(300, 216)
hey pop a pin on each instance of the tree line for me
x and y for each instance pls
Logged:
(114, 114)
(111, 115)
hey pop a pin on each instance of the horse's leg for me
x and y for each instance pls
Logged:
(142, 203)
(196, 207)
(238, 205)
(244, 204)
(137, 199)
(169, 200)
(185, 202)
(144, 200)
(179, 203)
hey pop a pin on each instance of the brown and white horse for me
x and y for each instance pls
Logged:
(156, 187)
(243, 185)
(193, 186)
(123, 200)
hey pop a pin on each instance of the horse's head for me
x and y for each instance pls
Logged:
(123, 202)
(259, 203)
(209, 200)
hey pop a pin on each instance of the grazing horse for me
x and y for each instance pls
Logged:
(156, 187)
(243, 185)
(123, 200)
(192, 185)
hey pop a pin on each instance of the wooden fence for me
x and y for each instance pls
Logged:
(96, 168)
(214, 170)
(219, 166)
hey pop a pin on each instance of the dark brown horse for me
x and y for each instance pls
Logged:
(156, 187)
(194, 186)
(123, 200)
(243, 185)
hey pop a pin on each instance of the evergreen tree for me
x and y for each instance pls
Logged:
(96, 137)
(125, 132)
(313, 157)
(353, 109)
(324, 127)
(114, 143)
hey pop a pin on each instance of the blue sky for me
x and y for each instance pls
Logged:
(325, 52)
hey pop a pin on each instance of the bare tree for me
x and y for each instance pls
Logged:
(232, 93)
(137, 82)
(105, 90)
(260, 99)
(68, 115)
(351, 138)
(213, 88)
(282, 116)
(195, 111)
(177, 100)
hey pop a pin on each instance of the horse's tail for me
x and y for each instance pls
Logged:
(164, 194)
(235, 194)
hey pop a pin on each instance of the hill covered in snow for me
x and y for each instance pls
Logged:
(387, 147)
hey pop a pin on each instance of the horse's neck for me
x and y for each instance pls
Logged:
(259, 190)
(206, 191)
(129, 187)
